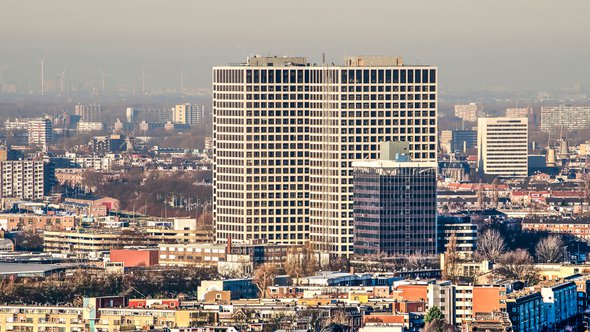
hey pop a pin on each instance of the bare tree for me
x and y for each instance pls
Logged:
(549, 249)
(293, 264)
(490, 245)
(451, 268)
(413, 261)
(518, 265)
(301, 262)
(264, 276)
(205, 222)
(439, 326)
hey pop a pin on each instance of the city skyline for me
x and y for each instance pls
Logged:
(476, 45)
(409, 166)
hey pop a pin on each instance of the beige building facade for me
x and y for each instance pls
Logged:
(286, 133)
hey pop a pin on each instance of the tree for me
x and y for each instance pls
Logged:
(335, 327)
(490, 245)
(339, 264)
(451, 268)
(264, 276)
(549, 249)
(293, 264)
(413, 261)
(301, 262)
(92, 180)
(205, 222)
(433, 314)
(28, 241)
(439, 326)
(435, 321)
(518, 265)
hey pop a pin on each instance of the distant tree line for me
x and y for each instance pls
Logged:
(168, 283)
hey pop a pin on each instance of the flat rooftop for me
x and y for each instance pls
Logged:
(349, 61)
(15, 268)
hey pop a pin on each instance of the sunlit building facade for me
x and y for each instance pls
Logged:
(285, 134)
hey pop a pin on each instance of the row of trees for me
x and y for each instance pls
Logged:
(492, 247)
(151, 192)
(71, 289)
(516, 264)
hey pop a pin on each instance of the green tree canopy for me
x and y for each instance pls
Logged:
(433, 314)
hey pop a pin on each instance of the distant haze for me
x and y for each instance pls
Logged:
(506, 44)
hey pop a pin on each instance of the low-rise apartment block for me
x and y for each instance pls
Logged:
(526, 312)
(92, 243)
(34, 222)
(191, 254)
(565, 117)
(578, 228)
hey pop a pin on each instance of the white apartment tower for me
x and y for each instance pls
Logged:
(22, 179)
(89, 113)
(40, 132)
(188, 114)
(503, 146)
(468, 112)
(285, 134)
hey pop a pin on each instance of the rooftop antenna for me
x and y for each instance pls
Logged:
(324, 58)
(103, 81)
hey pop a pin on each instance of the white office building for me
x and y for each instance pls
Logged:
(503, 146)
(286, 133)
(85, 126)
(565, 117)
(89, 113)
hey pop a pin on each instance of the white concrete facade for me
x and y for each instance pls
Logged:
(503, 146)
(22, 179)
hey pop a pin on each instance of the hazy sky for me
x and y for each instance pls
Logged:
(518, 44)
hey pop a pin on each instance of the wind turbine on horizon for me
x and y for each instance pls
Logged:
(103, 74)
(182, 78)
(42, 63)
(142, 78)
(62, 79)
